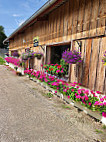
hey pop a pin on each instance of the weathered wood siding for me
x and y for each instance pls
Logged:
(83, 20)
(92, 72)
(75, 19)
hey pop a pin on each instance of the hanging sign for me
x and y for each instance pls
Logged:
(35, 41)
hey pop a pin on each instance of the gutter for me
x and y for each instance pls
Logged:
(42, 9)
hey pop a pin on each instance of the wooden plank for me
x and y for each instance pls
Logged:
(101, 68)
(81, 65)
(58, 24)
(93, 63)
(54, 26)
(66, 9)
(101, 18)
(50, 32)
(80, 18)
(71, 7)
(61, 23)
(75, 18)
(94, 15)
(87, 62)
(53, 16)
(87, 16)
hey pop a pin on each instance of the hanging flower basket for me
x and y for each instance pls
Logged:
(71, 57)
(39, 55)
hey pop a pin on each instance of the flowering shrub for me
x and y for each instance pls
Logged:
(104, 58)
(57, 69)
(90, 99)
(14, 61)
(71, 57)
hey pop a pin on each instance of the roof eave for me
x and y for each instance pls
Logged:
(43, 8)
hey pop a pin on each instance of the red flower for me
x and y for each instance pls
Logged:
(49, 69)
(59, 66)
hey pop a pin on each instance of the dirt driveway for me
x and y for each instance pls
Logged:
(27, 115)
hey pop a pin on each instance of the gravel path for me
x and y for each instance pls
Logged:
(26, 115)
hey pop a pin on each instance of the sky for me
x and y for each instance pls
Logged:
(14, 12)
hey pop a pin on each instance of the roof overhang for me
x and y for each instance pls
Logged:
(44, 10)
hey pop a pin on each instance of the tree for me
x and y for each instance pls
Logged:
(2, 37)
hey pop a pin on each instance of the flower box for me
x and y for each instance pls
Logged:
(19, 69)
(73, 94)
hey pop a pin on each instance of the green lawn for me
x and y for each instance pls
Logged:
(2, 62)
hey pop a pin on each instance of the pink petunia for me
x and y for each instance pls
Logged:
(96, 103)
(98, 92)
(79, 91)
(101, 104)
(86, 98)
(68, 88)
(89, 103)
(58, 71)
(104, 97)
(78, 97)
(55, 91)
(64, 90)
(72, 90)
(86, 92)
(101, 99)
(104, 114)
(104, 103)
(68, 97)
(76, 94)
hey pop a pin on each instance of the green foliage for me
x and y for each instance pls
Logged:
(99, 131)
(49, 95)
(2, 62)
(64, 65)
(104, 126)
(2, 37)
(65, 106)
(57, 69)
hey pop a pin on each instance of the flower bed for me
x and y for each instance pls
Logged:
(15, 64)
(12, 60)
(58, 70)
(94, 101)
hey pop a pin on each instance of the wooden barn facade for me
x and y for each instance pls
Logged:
(62, 24)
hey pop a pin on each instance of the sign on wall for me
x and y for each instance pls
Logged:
(35, 41)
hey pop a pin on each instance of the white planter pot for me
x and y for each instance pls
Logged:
(21, 70)
(7, 63)
(12, 65)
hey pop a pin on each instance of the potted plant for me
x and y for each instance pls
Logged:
(24, 56)
(72, 57)
(15, 54)
(39, 55)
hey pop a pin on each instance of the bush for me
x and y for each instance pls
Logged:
(2, 62)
